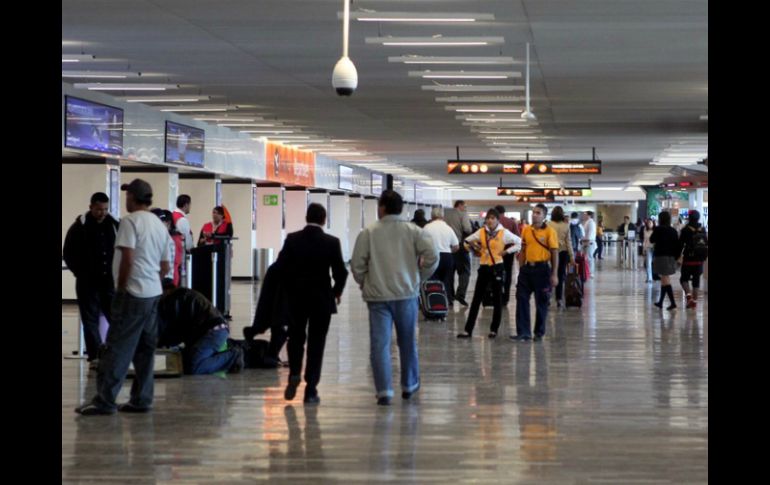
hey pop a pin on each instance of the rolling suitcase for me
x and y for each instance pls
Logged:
(573, 288)
(433, 300)
(582, 264)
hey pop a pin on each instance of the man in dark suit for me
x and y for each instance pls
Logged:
(305, 260)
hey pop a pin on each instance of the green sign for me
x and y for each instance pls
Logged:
(270, 200)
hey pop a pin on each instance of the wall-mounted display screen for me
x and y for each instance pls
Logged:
(378, 183)
(184, 144)
(93, 126)
(345, 178)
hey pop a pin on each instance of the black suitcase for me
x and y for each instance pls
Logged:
(573, 289)
(433, 300)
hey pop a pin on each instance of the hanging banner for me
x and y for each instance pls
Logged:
(290, 165)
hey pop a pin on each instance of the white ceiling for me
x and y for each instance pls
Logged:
(626, 77)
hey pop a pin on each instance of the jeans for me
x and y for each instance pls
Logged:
(463, 268)
(485, 278)
(599, 247)
(382, 315)
(132, 337)
(648, 259)
(93, 300)
(203, 357)
(313, 327)
(446, 274)
(562, 272)
(535, 279)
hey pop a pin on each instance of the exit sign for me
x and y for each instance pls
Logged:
(270, 200)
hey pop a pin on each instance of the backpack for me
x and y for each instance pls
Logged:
(698, 249)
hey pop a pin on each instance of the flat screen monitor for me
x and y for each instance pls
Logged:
(345, 178)
(184, 144)
(378, 182)
(93, 126)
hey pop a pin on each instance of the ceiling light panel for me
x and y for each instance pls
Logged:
(457, 60)
(125, 87)
(166, 99)
(100, 74)
(454, 88)
(465, 74)
(437, 41)
(479, 99)
(418, 17)
(72, 58)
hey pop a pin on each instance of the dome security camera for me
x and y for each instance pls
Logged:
(528, 115)
(345, 77)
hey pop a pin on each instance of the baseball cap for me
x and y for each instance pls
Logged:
(141, 189)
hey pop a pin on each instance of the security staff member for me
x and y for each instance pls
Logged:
(540, 247)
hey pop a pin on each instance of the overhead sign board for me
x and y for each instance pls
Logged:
(524, 167)
(541, 192)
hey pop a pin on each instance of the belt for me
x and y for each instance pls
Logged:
(538, 263)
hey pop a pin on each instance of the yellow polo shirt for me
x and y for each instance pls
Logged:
(534, 251)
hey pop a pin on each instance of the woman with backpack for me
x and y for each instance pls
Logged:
(694, 242)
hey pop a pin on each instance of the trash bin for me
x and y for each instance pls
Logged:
(263, 261)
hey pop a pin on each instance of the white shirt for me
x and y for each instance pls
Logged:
(590, 230)
(443, 236)
(183, 226)
(143, 232)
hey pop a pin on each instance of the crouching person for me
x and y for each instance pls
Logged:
(186, 316)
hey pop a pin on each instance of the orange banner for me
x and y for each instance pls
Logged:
(290, 165)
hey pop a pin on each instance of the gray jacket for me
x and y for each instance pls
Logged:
(459, 222)
(385, 257)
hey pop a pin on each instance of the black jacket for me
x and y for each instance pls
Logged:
(272, 306)
(685, 241)
(185, 316)
(89, 247)
(305, 261)
(622, 228)
(666, 242)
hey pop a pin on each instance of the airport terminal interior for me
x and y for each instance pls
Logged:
(258, 109)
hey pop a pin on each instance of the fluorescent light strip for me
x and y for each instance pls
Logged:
(511, 137)
(492, 120)
(435, 41)
(250, 125)
(480, 99)
(167, 99)
(464, 74)
(100, 74)
(268, 132)
(416, 17)
(77, 57)
(214, 118)
(125, 87)
(470, 88)
(482, 110)
(452, 60)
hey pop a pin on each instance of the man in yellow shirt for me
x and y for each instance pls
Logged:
(538, 274)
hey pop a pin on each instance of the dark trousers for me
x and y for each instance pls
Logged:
(562, 272)
(486, 277)
(446, 274)
(93, 300)
(535, 279)
(132, 337)
(599, 247)
(508, 265)
(311, 326)
(463, 268)
(278, 336)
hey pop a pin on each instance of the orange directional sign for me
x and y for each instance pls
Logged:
(524, 167)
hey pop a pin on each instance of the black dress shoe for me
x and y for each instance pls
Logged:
(462, 301)
(464, 335)
(383, 401)
(291, 387)
(659, 305)
(537, 338)
(312, 399)
(492, 335)
(671, 307)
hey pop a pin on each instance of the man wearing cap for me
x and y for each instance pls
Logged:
(141, 258)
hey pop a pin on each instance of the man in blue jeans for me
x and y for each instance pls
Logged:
(188, 317)
(390, 258)
(141, 258)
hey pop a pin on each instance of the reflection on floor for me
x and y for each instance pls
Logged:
(617, 393)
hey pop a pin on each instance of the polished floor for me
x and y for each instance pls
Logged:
(617, 393)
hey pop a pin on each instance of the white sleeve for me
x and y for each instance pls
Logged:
(183, 226)
(474, 237)
(126, 237)
(168, 249)
(511, 238)
(454, 241)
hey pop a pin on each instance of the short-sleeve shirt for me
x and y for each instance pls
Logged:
(442, 235)
(534, 251)
(143, 232)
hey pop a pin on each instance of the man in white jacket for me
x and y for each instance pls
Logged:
(389, 260)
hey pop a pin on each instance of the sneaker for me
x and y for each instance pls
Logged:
(691, 303)
(407, 395)
(291, 387)
(92, 409)
(239, 363)
(130, 408)
(383, 401)
(464, 335)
